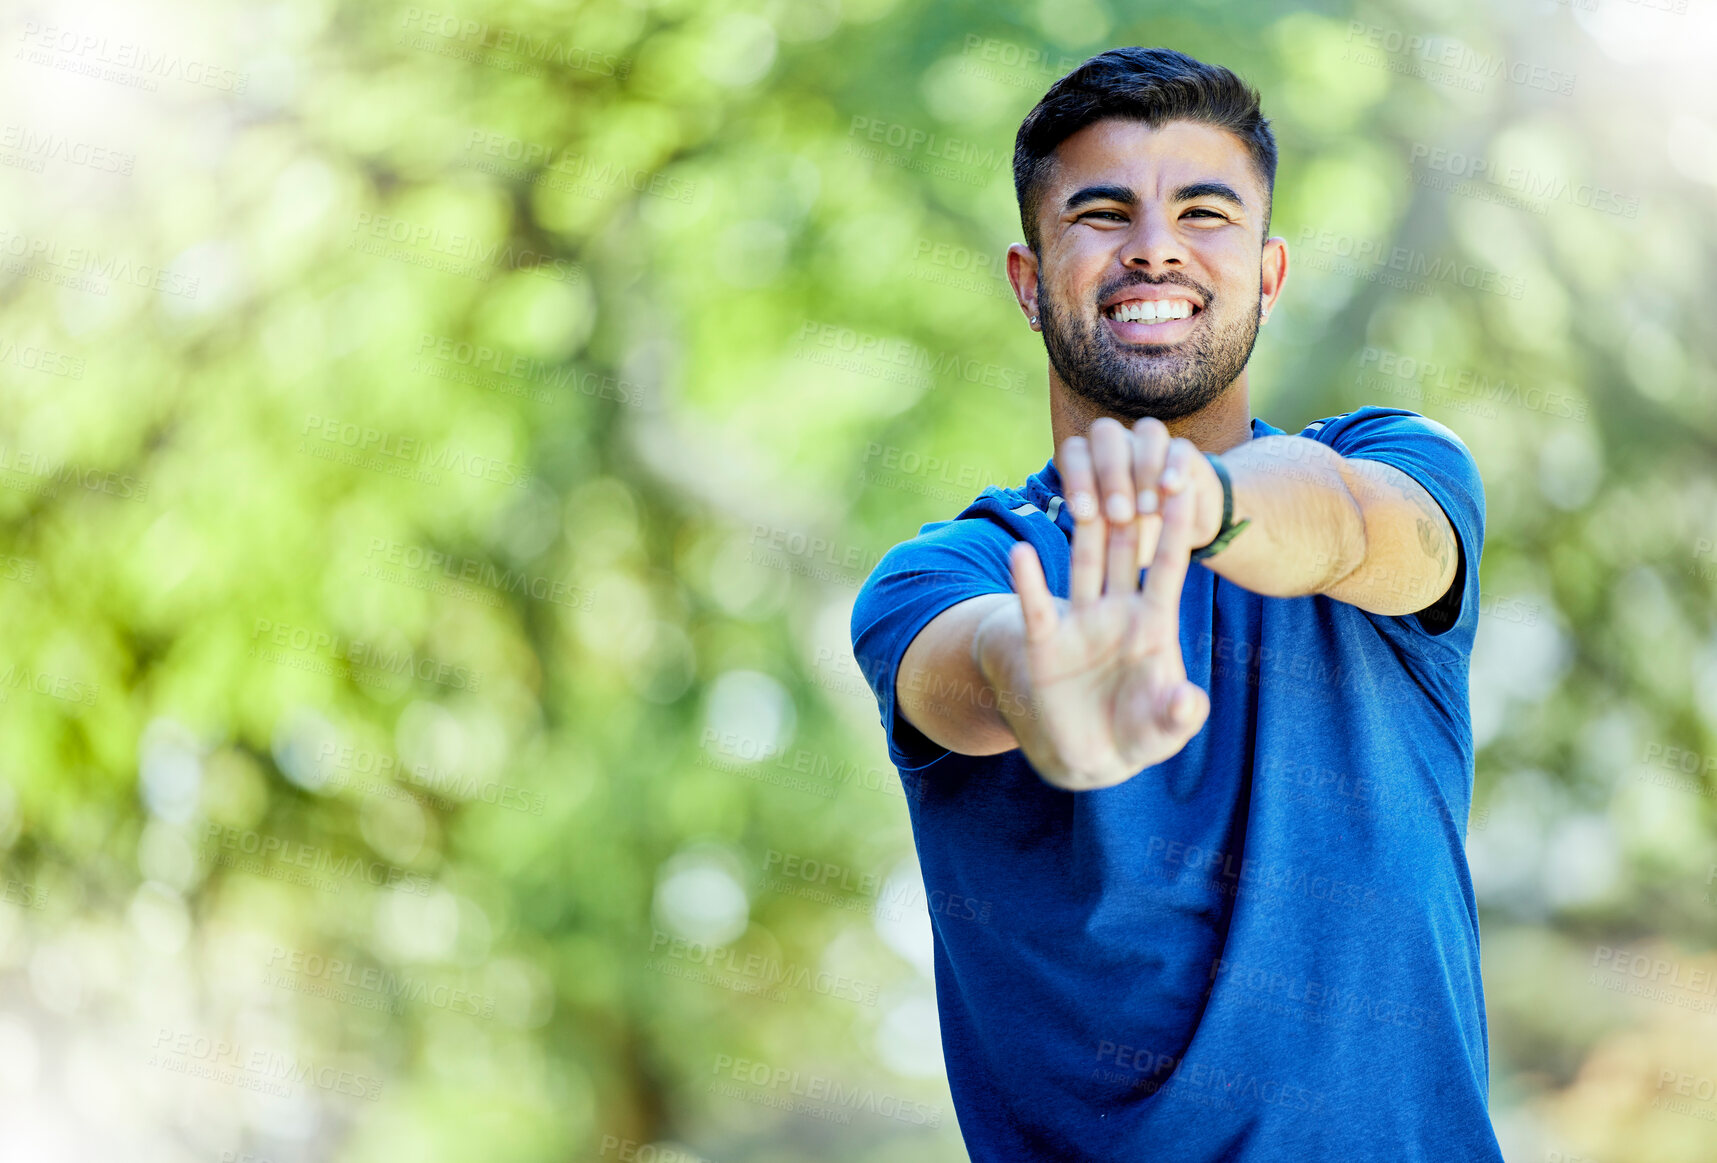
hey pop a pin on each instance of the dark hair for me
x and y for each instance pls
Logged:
(1153, 85)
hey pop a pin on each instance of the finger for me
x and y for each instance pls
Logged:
(1086, 582)
(1176, 467)
(1173, 709)
(1150, 532)
(1037, 604)
(1112, 456)
(1156, 625)
(1089, 530)
(1078, 485)
(1150, 447)
(1123, 570)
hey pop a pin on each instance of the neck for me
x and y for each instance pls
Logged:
(1218, 426)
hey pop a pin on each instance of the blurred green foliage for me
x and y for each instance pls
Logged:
(409, 571)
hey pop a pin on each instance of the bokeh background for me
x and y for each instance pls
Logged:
(440, 448)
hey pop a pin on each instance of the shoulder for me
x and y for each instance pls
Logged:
(1375, 422)
(974, 540)
(1417, 445)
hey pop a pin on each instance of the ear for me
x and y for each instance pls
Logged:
(1273, 275)
(1022, 273)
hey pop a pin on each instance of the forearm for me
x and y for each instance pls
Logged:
(940, 687)
(1307, 531)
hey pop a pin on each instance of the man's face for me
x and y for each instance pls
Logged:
(1153, 271)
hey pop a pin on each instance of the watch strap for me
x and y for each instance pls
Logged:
(1229, 530)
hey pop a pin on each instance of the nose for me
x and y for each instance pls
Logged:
(1153, 243)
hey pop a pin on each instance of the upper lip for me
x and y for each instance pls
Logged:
(1152, 292)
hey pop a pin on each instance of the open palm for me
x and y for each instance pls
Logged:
(1109, 692)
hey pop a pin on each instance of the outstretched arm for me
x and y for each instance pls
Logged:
(1359, 531)
(1092, 688)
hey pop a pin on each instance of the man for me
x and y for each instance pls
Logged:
(1214, 817)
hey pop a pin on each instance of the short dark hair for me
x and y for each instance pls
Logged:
(1153, 85)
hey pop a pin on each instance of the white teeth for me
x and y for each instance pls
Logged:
(1151, 310)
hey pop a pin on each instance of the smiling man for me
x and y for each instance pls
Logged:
(1215, 815)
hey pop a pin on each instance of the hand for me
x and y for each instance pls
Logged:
(1133, 486)
(1189, 469)
(1104, 686)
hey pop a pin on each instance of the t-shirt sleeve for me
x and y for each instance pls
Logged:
(947, 563)
(1436, 457)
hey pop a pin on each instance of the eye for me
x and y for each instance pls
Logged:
(1206, 212)
(1109, 215)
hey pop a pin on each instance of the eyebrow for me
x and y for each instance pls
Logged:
(1119, 194)
(1219, 190)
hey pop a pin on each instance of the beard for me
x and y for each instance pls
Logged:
(1167, 381)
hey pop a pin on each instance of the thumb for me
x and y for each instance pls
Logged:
(1187, 708)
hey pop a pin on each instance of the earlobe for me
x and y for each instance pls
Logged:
(1022, 276)
(1274, 274)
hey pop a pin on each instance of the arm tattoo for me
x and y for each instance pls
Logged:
(1431, 539)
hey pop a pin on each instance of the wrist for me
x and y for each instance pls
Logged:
(1207, 512)
(999, 655)
(998, 640)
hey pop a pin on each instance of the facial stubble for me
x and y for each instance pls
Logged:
(1167, 381)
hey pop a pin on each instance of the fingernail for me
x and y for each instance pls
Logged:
(1118, 508)
(1171, 478)
(1147, 501)
(1084, 506)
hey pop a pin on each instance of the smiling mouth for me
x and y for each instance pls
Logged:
(1151, 310)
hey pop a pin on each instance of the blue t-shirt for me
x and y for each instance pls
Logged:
(1263, 948)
